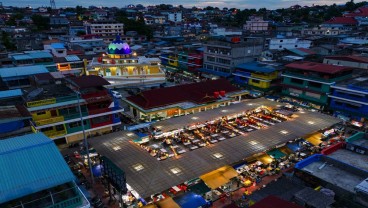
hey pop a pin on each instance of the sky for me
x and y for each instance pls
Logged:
(241, 4)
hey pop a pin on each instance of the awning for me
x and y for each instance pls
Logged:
(265, 159)
(190, 200)
(199, 188)
(276, 153)
(315, 139)
(150, 206)
(219, 177)
(167, 203)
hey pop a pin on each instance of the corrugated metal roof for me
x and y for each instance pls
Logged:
(72, 58)
(29, 164)
(10, 93)
(21, 57)
(40, 54)
(22, 71)
(58, 45)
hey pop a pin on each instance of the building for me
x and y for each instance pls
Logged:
(349, 98)
(48, 181)
(311, 82)
(54, 107)
(104, 28)
(32, 58)
(14, 118)
(88, 45)
(18, 77)
(360, 15)
(56, 49)
(258, 75)
(122, 66)
(341, 168)
(288, 43)
(180, 100)
(174, 17)
(71, 64)
(340, 23)
(221, 57)
(256, 24)
(360, 62)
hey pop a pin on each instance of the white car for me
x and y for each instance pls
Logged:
(116, 94)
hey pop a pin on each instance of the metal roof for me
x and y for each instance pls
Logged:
(58, 45)
(22, 71)
(157, 176)
(259, 67)
(29, 164)
(72, 58)
(21, 57)
(10, 93)
(40, 54)
(56, 105)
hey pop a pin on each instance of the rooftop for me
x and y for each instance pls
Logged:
(48, 91)
(154, 176)
(358, 83)
(360, 12)
(38, 157)
(14, 72)
(349, 157)
(199, 93)
(88, 81)
(314, 198)
(32, 55)
(333, 171)
(259, 67)
(318, 67)
(359, 139)
(342, 20)
(359, 59)
(10, 93)
(302, 51)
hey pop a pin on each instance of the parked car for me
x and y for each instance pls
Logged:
(116, 94)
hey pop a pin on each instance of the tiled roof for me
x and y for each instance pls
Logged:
(29, 164)
(201, 92)
(360, 12)
(89, 81)
(359, 59)
(318, 67)
(342, 20)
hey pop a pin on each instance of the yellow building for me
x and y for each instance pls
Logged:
(120, 65)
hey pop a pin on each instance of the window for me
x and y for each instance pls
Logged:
(296, 81)
(255, 81)
(315, 84)
(281, 41)
(41, 113)
(280, 46)
(76, 124)
(59, 127)
(223, 61)
(211, 58)
(313, 95)
(296, 46)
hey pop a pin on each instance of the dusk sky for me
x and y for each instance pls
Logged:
(269, 4)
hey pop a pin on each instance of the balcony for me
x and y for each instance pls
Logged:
(74, 115)
(98, 111)
(49, 120)
(54, 133)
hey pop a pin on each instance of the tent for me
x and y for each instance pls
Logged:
(219, 177)
(199, 188)
(97, 170)
(190, 200)
(276, 153)
(167, 203)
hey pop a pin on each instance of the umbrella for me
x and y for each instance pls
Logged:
(97, 170)
(190, 200)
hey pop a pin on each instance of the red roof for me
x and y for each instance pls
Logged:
(359, 59)
(199, 93)
(274, 202)
(89, 81)
(342, 20)
(318, 67)
(360, 12)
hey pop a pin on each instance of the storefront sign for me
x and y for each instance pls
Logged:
(41, 102)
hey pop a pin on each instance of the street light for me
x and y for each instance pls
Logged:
(84, 137)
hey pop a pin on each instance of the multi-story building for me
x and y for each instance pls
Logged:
(122, 65)
(174, 17)
(89, 46)
(288, 43)
(360, 14)
(54, 108)
(49, 182)
(56, 49)
(258, 76)
(340, 23)
(256, 24)
(190, 60)
(311, 82)
(220, 57)
(18, 77)
(349, 98)
(360, 62)
(104, 28)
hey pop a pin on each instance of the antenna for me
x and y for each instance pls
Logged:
(53, 5)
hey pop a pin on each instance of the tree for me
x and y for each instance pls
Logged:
(5, 40)
(42, 23)
(350, 5)
(134, 25)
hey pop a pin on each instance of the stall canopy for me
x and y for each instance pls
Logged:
(265, 159)
(167, 203)
(97, 170)
(219, 177)
(276, 153)
(199, 188)
(294, 146)
(315, 138)
(190, 200)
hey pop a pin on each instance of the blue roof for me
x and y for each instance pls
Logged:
(22, 71)
(217, 73)
(29, 164)
(190, 200)
(10, 93)
(21, 57)
(258, 67)
(58, 45)
(40, 55)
